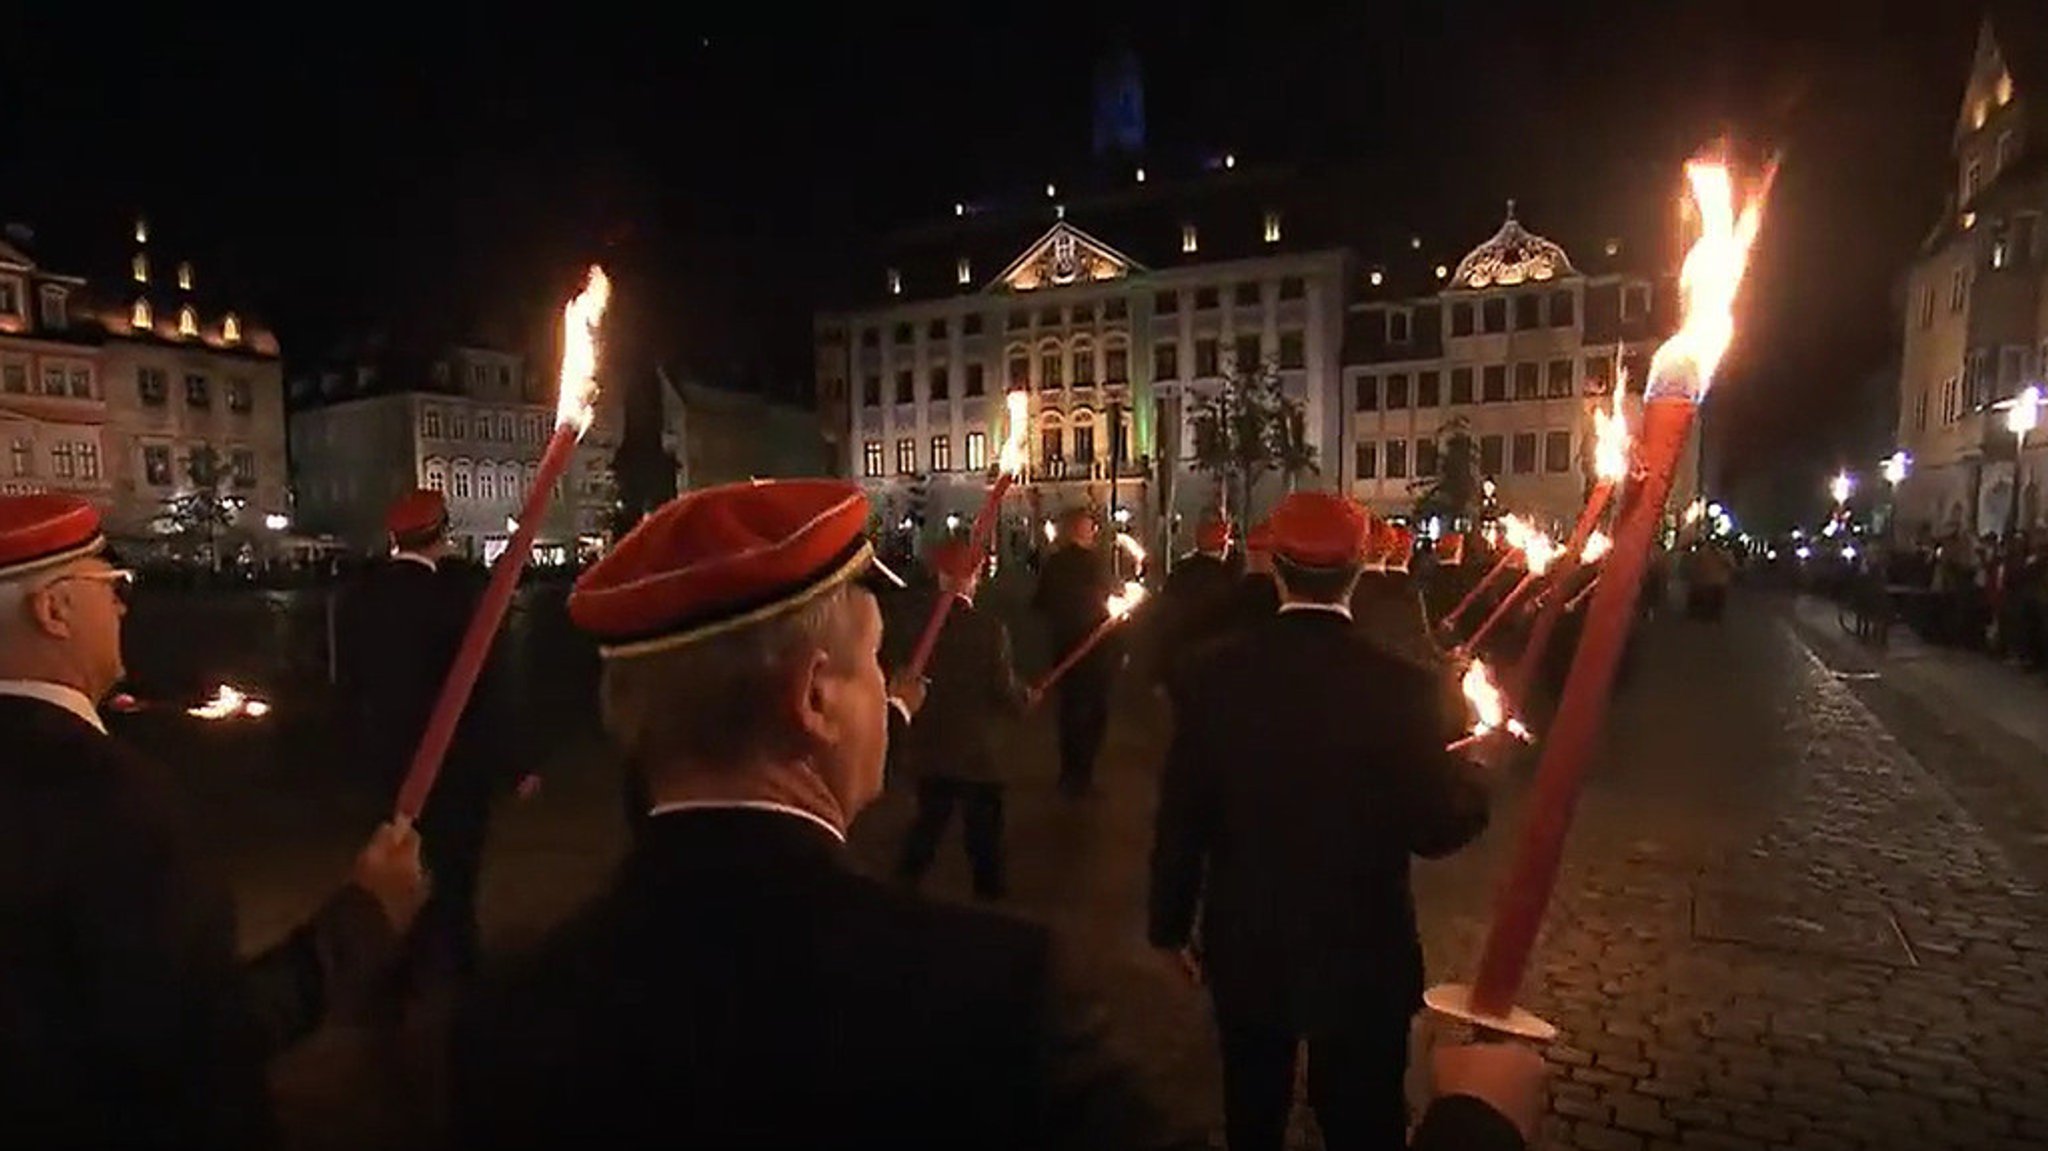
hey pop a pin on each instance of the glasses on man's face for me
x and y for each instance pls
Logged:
(118, 580)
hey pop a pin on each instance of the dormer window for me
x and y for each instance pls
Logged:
(231, 329)
(188, 321)
(1272, 227)
(895, 282)
(1398, 322)
(141, 230)
(141, 318)
(55, 314)
(963, 272)
(184, 277)
(139, 268)
(1188, 240)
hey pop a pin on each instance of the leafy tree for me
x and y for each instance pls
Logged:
(1455, 490)
(1247, 428)
(197, 516)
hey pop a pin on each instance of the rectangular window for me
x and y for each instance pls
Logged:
(1496, 384)
(1293, 350)
(1635, 302)
(1461, 318)
(1398, 325)
(942, 453)
(1429, 389)
(88, 461)
(1116, 365)
(53, 380)
(14, 378)
(24, 458)
(81, 383)
(1493, 315)
(1368, 461)
(196, 393)
(1557, 451)
(1397, 391)
(1166, 361)
(906, 456)
(1084, 443)
(242, 462)
(1528, 381)
(1525, 453)
(1293, 287)
(156, 465)
(1559, 385)
(974, 384)
(1397, 459)
(1207, 360)
(1490, 455)
(1461, 385)
(1425, 459)
(1563, 309)
(871, 458)
(1599, 375)
(61, 461)
(1166, 303)
(1528, 311)
(940, 381)
(1049, 364)
(1020, 371)
(1052, 445)
(871, 390)
(906, 387)
(239, 397)
(1247, 351)
(1247, 295)
(977, 451)
(1205, 299)
(1368, 393)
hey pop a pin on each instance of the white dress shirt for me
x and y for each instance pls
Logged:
(56, 695)
(1343, 609)
(746, 805)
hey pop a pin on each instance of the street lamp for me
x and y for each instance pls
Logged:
(1840, 487)
(276, 522)
(1896, 466)
(2022, 415)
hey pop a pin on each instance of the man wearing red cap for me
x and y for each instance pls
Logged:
(1306, 768)
(125, 1018)
(953, 748)
(1194, 604)
(1256, 596)
(1074, 586)
(741, 983)
(401, 626)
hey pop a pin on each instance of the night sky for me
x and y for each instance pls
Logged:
(344, 166)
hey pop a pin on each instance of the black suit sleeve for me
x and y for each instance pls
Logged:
(1183, 829)
(1091, 1100)
(1443, 796)
(1005, 689)
(1464, 1123)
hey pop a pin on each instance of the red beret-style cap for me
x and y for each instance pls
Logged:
(1319, 530)
(1400, 547)
(1260, 537)
(44, 530)
(719, 558)
(418, 516)
(1213, 535)
(954, 559)
(1450, 550)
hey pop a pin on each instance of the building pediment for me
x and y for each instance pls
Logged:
(1064, 255)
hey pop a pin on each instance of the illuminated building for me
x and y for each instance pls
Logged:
(1976, 331)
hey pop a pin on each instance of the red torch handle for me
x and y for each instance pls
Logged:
(1554, 604)
(1525, 895)
(977, 545)
(1501, 609)
(1486, 581)
(1067, 661)
(483, 628)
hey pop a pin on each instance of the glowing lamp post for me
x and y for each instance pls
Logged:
(2022, 415)
(1680, 375)
(1009, 465)
(573, 414)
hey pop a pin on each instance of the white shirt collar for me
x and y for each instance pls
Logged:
(1343, 609)
(746, 805)
(56, 695)
(417, 558)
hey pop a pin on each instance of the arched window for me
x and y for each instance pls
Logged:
(1051, 365)
(140, 268)
(1020, 367)
(1052, 439)
(141, 318)
(486, 482)
(508, 483)
(231, 329)
(437, 475)
(1082, 438)
(188, 321)
(462, 478)
(1116, 359)
(1081, 360)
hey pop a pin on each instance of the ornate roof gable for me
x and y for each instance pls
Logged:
(1064, 255)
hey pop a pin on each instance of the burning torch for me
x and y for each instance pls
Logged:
(1009, 465)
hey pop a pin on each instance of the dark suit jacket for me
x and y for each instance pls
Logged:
(974, 690)
(1306, 768)
(741, 985)
(125, 1018)
(1193, 607)
(1074, 586)
(401, 624)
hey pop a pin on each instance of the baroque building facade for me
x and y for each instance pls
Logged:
(1976, 312)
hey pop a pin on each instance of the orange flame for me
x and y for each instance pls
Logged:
(1684, 366)
(1538, 553)
(1515, 531)
(1016, 433)
(228, 703)
(1126, 601)
(573, 402)
(1598, 544)
(1489, 707)
(1610, 437)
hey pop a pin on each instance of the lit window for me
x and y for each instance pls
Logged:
(977, 451)
(188, 321)
(1377, 278)
(963, 271)
(895, 282)
(141, 231)
(2004, 91)
(1272, 227)
(184, 277)
(231, 329)
(1141, 175)
(871, 458)
(1187, 238)
(141, 268)
(141, 318)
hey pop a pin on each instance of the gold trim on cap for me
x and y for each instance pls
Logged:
(863, 558)
(91, 547)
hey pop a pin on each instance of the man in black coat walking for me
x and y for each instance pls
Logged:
(1194, 605)
(1306, 769)
(126, 1019)
(1074, 586)
(401, 626)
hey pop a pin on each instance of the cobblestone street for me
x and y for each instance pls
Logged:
(1783, 921)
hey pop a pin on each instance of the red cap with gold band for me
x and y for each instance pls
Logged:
(954, 559)
(1319, 530)
(1213, 535)
(720, 558)
(417, 518)
(44, 530)
(1400, 547)
(1377, 546)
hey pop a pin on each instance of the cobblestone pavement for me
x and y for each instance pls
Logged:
(1776, 926)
